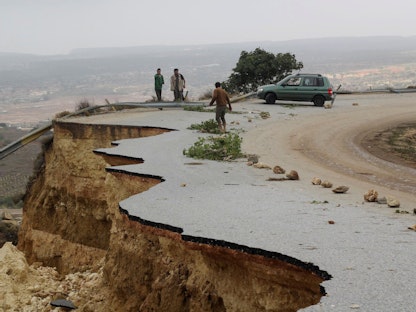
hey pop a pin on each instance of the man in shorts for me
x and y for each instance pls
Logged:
(221, 97)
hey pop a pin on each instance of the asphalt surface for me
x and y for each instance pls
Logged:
(369, 249)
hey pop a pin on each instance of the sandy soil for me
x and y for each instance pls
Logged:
(333, 143)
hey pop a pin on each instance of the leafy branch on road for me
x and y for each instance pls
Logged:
(224, 147)
(208, 126)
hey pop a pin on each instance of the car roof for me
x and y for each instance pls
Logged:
(304, 74)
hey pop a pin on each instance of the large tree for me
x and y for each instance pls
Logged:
(259, 67)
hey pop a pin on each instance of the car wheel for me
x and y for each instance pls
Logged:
(270, 98)
(318, 100)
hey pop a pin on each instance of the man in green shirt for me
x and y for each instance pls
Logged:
(159, 82)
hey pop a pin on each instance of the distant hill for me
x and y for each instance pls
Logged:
(86, 72)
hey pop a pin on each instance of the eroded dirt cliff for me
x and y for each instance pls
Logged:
(72, 221)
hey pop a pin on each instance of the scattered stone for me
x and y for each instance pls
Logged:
(392, 202)
(261, 165)
(331, 222)
(292, 175)
(316, 181)
(278, 170)
(250, 163)
(341, 189)
(413, 227)
(183, 184)
(265, 115)
(326, 184)
(253, 158)
(328, 105)
(354, 306)
(371, 196)
(62, 303)
(382, 200)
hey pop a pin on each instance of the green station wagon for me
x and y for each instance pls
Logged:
(300, 87)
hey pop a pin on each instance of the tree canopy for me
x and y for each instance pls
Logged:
(260, 67)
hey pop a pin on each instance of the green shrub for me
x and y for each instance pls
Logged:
(225, 147)
(208, 126)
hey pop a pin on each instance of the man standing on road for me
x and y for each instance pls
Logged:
(177, 84)
(159, 82)
(221, 97)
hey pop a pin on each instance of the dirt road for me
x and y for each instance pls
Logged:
(328, 143)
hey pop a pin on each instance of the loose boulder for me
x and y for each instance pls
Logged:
(392, 202)
(292, 175)
(261, 165)
(326, 184)
(341, 189)
(316, 181)
(278, 170)
(371, 196)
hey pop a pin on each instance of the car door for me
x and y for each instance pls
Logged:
(288, 90)
(310, 86)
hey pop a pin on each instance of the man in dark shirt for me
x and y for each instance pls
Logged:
(221, 97)
(159, 81)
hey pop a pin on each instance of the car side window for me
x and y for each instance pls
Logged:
(313, 81)
(308, 81)
(295, 81)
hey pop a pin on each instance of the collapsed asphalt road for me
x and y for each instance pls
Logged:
(367, 247)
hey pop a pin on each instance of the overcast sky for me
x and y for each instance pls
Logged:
(58, 26)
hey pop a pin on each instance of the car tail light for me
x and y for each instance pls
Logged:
(330, 91)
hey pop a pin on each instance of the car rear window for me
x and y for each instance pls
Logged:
(313, 81)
